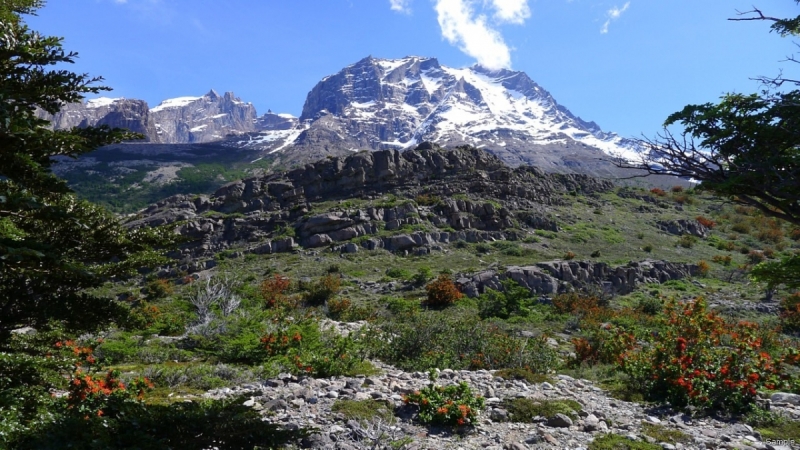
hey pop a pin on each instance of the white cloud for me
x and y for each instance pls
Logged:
(613, 14)
(511, 11)
(462, 26)
(402, 6)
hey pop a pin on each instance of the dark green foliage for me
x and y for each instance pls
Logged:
(52, 246)
(204, 424)
(512, 300)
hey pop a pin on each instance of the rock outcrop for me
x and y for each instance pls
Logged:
(554, 277)
(409, 196)
(681, 226)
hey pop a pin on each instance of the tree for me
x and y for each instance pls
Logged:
(745, 148)
(53, 247)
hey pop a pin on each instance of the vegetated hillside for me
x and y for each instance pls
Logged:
(321, 294)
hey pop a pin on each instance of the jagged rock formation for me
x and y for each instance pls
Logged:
(133, 115)
(554, 277)
(209, 118)
(275, 212)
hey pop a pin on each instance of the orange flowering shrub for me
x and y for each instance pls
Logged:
(703, 267)
(658, 191)
(442, 292)
(724, 260)
(337, 307)
(708, 223)
(454, 405)
(95, 394)
(699, 359)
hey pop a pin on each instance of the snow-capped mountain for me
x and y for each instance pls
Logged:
(208, 118)
(384, 103)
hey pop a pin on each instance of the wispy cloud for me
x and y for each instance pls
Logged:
(402, 6)
(462, 27)
(511, 11)
(613, 14)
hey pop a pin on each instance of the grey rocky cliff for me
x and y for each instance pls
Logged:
(211, 117)
(130, 114)
(185, 120)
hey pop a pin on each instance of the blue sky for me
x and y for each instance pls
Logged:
(623, 64)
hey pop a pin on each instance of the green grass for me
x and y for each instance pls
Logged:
(663, 434)
(525, 409)
(617, 442)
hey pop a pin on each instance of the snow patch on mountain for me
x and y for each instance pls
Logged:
(178, 102)
(101, 102)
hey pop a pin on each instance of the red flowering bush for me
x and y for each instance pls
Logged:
(273, 292)
(442, 292)
(452, 405)
(700, 359)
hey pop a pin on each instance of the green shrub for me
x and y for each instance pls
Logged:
(322, 290)
(512, 300)
(399, 306)
(687, 241)
(456, 340)
(422, 276)
(398, 273)
(650, 305)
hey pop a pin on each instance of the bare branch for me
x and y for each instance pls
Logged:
(759, 16)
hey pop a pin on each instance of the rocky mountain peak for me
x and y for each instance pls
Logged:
(396, 103)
